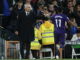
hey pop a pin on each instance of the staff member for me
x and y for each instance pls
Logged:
(46, 34)
(25, 29)
(35, 45)
(76, 38)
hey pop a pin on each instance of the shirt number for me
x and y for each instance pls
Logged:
(58, 23)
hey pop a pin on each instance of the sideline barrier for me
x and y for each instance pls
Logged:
(12, 49)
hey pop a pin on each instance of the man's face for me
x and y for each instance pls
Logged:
(20, 4)
(28, 9)
(70, 4)
(54, 2)
(78, 8)
(78, 34)
(51, 8)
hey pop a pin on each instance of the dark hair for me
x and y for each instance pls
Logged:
(20, 1)
(45, 7)
(72, 16)
(78, 4)
(69, 0)
(59, 10)
(45, 18)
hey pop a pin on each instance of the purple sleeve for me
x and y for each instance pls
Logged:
(66, 18)
(52, 17)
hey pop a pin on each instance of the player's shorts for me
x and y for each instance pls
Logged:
(59, 38)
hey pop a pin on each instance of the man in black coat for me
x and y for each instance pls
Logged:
(1, 6)
(26, 29)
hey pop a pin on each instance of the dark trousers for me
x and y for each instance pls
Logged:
(35, 53)
(24, 45)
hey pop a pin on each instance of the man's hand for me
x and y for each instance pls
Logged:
(16, 32)
(78, 27)
(73, 24)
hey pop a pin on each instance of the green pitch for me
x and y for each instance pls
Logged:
(40, 59)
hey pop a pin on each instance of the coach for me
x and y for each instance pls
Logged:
(25, 29)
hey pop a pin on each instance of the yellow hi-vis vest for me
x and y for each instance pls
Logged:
(47, 35)
(35, 45)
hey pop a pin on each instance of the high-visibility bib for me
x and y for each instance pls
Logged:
(35, 45)
(47, 35)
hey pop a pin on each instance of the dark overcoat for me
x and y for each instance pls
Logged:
(26, 26)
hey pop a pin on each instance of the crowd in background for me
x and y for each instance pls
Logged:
(70, 7)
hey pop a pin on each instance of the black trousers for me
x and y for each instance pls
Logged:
(24, 45)
(35, 53)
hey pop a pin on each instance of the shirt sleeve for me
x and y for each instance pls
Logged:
(66, 18)
(74, 38)
(52, 17)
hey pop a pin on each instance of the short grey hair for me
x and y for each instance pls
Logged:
(25, 6)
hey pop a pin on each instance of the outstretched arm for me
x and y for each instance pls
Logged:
(73, 24)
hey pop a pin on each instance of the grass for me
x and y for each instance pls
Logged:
(40, 59)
